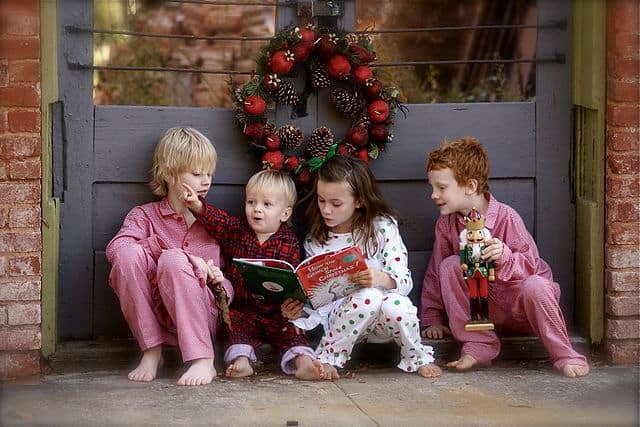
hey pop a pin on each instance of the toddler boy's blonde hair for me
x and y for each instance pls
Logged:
(179, 150)
(270, 178)
(466, 157)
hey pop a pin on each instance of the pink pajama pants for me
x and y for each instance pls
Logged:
(531, 306)
(165, 302)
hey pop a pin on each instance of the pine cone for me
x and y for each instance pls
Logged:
(286, 94)
(290, 137)
(320, 141)
(346, 102)
(319, 76)
(362, 120)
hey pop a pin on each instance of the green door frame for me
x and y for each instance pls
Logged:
(589, 90)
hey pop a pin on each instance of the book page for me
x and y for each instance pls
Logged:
(268, 262)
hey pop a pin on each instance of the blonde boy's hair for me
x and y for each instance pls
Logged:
(466, 157)
(270, 178)
(180, 149)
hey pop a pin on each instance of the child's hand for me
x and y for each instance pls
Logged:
(291, 308)
(436, 332)
(214, 274)
(372, 277)
(190, 199)
(493, 250)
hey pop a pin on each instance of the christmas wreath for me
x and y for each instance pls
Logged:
(324, 57)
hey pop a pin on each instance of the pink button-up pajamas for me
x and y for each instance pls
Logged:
(524, 298)
(163, 294)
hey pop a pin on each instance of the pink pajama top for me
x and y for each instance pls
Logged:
(519, 260)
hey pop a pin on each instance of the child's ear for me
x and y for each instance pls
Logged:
(286, 214)
(358, 204)
(471, 187)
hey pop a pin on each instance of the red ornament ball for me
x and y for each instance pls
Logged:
(338, 67)
(280, 62)
(272, 160)
(307, 35)
(254, 105)
(379, 132)
(361, 74)
(378, 111)
(272, 142)
(291, 163)
(363, 154)
(302, 51)
(325, 47)
(373, 89)
(358, 136)
(362, 55)
(254, 131)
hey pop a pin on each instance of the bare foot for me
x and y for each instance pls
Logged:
(329, 372)
(465, 363)
(429, 371)
(201, 372)
(573, 371)
(308, 368)
(241, 367)
(148, 367)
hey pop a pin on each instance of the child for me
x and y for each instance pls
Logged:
(348, 209)
(523, 298)
(270, 197)
(158, 268)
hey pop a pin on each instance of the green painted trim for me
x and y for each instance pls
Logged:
(589, 91)
(50, 205)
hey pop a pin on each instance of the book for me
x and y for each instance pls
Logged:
(318, 280)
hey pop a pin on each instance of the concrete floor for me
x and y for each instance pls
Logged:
(92, 390)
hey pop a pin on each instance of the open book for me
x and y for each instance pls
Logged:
(319, 279)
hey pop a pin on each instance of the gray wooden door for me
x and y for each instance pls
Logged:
(106, 152)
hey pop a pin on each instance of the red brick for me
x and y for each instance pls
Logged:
(20, 291)
(4, 126)
(623, 280)
(623, 305)
(623, 68)
(623, 186)
(623, 352)
(622, 256)
(24, 217)
(622, 15)
(23, 192)
(20, 7)
(623, 114)
(20, 25)
(28, 265)
(24, 71)
(24, 314)
(623, 233)
(4, 72)
(623, 163)
(19, 364)
(623, 91)
(20, 242)
(623, 328)
(24, 169)
(623, 210)
(20, 338)
(23, 121)
(623, 139)
(14, 146)
(20, 48)
(27, 96)
(623, 44)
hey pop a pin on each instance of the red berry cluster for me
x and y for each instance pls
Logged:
(344, 58)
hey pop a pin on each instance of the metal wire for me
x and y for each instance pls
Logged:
(76, 66)
(559, 25)
(74, 29)
(234, 3)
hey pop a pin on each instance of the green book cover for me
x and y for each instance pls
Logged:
(272, 280)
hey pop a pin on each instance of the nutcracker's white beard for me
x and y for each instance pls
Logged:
(475, 252)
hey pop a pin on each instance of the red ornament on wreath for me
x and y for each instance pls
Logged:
(318, 59)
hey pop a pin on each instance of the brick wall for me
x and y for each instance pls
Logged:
(20, 172)
(622, 247)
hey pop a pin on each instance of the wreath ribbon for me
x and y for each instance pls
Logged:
(317, 162)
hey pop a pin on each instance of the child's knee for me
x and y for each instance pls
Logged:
(368, 297)
(172, 260)
(537, 288)
(450, 265)
(395, 305)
